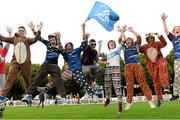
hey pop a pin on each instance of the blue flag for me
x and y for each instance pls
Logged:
(104, 15)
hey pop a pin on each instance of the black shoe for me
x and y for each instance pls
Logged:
(174, 97)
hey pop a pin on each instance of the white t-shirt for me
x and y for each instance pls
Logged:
(113, 57)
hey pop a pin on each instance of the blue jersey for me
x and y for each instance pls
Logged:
(131, 54)
(73, 58)
(176, 44)
(52, 53)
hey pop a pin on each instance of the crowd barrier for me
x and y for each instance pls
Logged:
(85, 101)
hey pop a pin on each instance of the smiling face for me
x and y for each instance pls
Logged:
(21, 31)
(111, 44)
(129, 41)
(53, 41)
(92, 45)
(176, 31)
(69, 47)
(150, 39)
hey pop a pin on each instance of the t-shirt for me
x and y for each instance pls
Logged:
(3, 53)
(176, 44)
(131, 54)
(52, 53)
(73, 58)
(113, 57)
(90, 57)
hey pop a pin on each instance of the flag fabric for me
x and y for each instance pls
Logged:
(104, 15)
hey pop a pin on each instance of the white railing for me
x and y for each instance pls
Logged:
(86, 101)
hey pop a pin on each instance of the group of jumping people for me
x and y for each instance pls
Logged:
(84, 70)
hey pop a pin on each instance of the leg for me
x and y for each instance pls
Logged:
(26, 70)
(153, 70)
(43, 71)
(66, 75)
(79, 78)
(108, 83)
(11, 77)
(129, 76)
(97, 71)
(39, 103)
(42, 103)
(116, 78)
(87, 73)
(176, 84)
(56, 78)
(140, 77)
(163, 73)
(2, 79)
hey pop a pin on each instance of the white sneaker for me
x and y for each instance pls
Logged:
(86, 96)
(151, 104)
(95, 98)
(128, 106)
(58, 97)
(64, 101)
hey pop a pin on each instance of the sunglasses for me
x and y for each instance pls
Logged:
(93, 44)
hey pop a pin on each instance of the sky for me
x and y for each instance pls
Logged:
(66, 16)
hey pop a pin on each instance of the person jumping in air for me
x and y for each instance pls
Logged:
(133, 69)
(21, 61)
(112, 73)
(3, 53)
(49, 66)
(156, 64)
(174, 37)
(90, 59)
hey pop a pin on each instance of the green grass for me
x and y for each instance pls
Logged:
(169, 110)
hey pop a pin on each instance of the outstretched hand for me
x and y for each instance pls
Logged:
(9, 30)
(100, 42)
(31, 25)
(130, 29)
(122, 29)
(39, 26)
(163, 16)
(58, 35)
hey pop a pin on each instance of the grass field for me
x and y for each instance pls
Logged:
(169, 110)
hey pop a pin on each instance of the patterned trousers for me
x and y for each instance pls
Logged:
(135, 72)
(176, 84)
(112, 75)
(78, 76)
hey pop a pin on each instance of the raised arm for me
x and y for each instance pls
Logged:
(99, 47)
(9, 30)
(162, 43)
(84, 43)
(7, 39)
(83, 30)
(163, 17)
(122, 38)
(38, 34)
(59, 44)
(138, 37)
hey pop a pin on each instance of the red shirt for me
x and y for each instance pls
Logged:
(3, 53)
